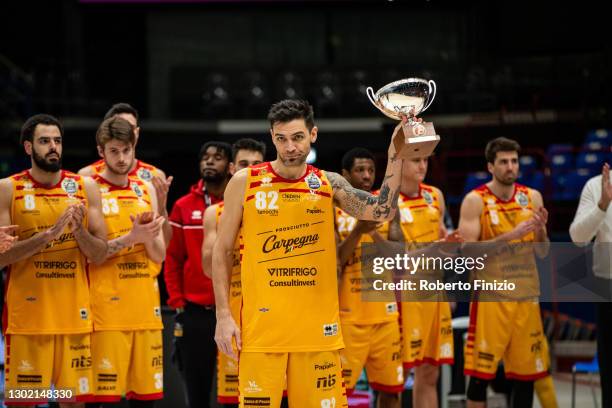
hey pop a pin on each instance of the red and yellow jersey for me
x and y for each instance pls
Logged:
(235, 298)
(353, 307)
(498, 217)
(124, 289)
(142, 170)
(47, 293)
(289, 283)
(421, 216)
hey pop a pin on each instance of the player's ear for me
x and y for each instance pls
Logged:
(232, 168)
(313, 134)
(137, 135)
(345, 173)
(100, 151)
(27, 146)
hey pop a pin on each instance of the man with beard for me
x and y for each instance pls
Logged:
(505, 211)
(290, 323)
(370, 328)
(61, 228)
(126, 344)
(137, 168)
(190, 292)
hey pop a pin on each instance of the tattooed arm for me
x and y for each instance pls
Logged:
(363, 205)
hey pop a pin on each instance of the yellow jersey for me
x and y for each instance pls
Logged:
(124, 289)
(47, 293)
(498, 217)
(289, 282)
(420, 216)
(354, 284)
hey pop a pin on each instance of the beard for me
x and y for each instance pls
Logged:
(294, 161)
(507, 180)
(118, 170)
(213, 176)
(45, 165)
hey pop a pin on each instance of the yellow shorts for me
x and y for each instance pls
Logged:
(127, 363)
(511, 331)
(37, 361)
(427, 333)
(313, 379)
(378, 347)
(227, 379)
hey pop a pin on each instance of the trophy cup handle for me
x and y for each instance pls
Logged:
(371, 95)
(432, 92)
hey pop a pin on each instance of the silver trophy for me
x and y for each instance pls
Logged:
(408, 98)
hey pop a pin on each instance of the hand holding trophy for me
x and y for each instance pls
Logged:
(408, 98)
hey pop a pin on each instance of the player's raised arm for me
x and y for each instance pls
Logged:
(222, 262)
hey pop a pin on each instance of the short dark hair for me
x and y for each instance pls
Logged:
(224, 147)
(115, 128)
(500, 144)
(121, 107)
(247, 143)
(348, 160)
(291, 109)
(29, 126)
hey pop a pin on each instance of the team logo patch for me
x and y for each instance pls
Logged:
(266, 181)
(196, 215)
(144, 174)
(314, 183)
(28, 185)
(69, 186)
(427, 197)
(136, 189)
(522, 199)
(103, 190)
(330, 329)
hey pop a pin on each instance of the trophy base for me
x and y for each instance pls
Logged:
(411, 146)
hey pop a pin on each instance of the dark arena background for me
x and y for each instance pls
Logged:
(209, 70)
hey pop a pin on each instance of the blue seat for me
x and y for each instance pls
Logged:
(596, 146)
(599, 135)
(591, 161)
(474, 180)
(534, 180)
(574, 182)
(528, 164)
(561, 162)
(590, 368)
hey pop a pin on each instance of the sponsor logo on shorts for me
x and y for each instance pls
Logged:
(107, 378)
(29, 379)
(81, 362)
(257, 401)
(536, 347)
(84, 314)
(77, 347)
(157, 311)
(416, 343)
(157, 361)
(330, 329)
(252, 387)
(396, 356)
(391, 308)
(325, 366)
(326, 382)
(105, 364)
(25, 365)
(231, 378)
(446, 331)
(485, 356)
(446, 351)
(264, 309)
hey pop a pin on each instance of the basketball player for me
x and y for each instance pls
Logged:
(290, 316)
(370, 328)
(505, 211)
(144, 171)
(127, 339)
(47, 319)
(426, 325)
(245, 152)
